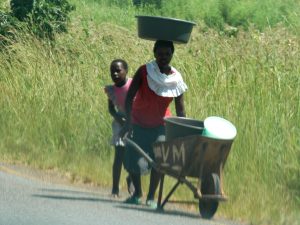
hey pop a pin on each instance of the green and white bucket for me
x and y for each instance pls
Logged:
(219, 128)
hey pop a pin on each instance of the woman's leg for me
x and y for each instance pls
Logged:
(117, 167)
(154, 181)
(155, 176)
(136, 197)
(136, 180)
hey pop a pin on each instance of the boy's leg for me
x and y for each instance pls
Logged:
(117, 167)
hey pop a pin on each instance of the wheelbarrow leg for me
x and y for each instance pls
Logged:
(169, 195)
(161, 186)
(224, 152)
(198, 192)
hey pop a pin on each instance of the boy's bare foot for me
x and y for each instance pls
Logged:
(114, 195)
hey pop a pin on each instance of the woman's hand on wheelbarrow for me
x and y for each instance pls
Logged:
(126, 130)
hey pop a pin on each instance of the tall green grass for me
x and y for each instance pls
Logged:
(215, 13)
(53, 111)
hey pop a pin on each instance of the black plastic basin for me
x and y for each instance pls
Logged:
(163, 28)
(182, 126)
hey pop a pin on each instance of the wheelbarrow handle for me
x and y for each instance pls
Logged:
(140, 151)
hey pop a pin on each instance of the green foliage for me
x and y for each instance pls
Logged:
(43, 18)
(49, 17)
(214, 17)
(244, 13)
(156, 3)
(21, 8)
(216, 14)
(8, 25)
(5, 22)
(219, 14)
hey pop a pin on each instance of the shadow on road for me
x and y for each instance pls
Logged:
(165, 212)
(71, 195)
(74, 198)
(66, 191)
(119, 203)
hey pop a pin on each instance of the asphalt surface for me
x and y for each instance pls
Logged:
(33, 200)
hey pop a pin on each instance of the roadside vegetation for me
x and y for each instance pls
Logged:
(242, 63)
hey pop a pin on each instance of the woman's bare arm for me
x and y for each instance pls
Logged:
(135, 84)
(179, 106)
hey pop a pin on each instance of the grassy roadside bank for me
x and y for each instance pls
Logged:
(53, 112)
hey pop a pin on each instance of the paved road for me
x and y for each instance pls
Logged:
(27, 201)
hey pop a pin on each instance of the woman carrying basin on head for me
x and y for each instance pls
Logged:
(153, 88)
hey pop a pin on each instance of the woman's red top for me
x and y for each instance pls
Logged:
(149, 109)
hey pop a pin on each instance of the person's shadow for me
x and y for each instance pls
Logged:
(172, 212)
(71, 195)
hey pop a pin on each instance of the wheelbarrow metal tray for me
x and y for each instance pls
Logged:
(177, 127)
(192, 156)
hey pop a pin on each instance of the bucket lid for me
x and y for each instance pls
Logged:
(219, 128)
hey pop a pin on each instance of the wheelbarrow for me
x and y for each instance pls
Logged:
(187, 153)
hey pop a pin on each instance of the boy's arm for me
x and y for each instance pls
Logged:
(179, 106)
(113, 112)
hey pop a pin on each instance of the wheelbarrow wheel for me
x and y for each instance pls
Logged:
(210, 186)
